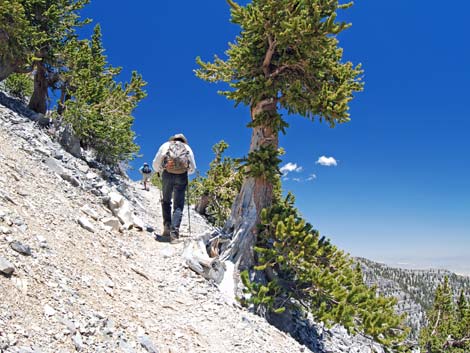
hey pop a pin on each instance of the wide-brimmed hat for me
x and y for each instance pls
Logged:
(179, 137)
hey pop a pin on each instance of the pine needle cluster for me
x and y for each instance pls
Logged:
(19, 85)
(214, 193)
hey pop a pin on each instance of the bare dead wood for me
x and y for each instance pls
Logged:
(139, 272)
(255, 194)
(269, 55)
(437, 323)
(456, 343)
(198, 260)
(202, 204)
(38, 101)
(214, 248)
(286, 67)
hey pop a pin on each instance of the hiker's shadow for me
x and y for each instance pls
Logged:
(161, 239)
(300, 328)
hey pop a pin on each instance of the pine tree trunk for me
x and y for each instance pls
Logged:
(38, 101)
(6, 66)
(202, 204)
(63, 98)
(256, 193)
(6, 69)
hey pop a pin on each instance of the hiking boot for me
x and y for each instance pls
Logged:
(166, 230)
(174, 236)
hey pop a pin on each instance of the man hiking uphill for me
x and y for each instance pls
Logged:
(174, 161)
(146, 172)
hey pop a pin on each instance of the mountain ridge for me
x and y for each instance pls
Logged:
(414, 289)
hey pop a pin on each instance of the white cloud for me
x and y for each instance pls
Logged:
(290, 167)
(296, 180)
(326, 161)
(311, 177)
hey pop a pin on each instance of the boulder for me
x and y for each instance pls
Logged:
(90, 212)
(70, 178)
(111, 223)
(86, 224)
(70, 141)
(6, 266)
(20, 248)
(138, 223)
(54, 166)
(48, 310)
(40, 119)
(5, 230)
(121, 209)
(146, 343)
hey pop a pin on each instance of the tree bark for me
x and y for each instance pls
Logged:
(456, 343)
(256, 193)
(6, 69)
(202, 204)
(64, 97)
(38, 101)
(197, 259)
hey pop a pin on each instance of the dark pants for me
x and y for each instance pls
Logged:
(173, 186)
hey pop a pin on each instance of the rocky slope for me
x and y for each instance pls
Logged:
(81, 269)
(85, 287)
(414, 289)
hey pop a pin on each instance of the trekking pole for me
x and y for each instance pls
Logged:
(189, 216)
(160, 178)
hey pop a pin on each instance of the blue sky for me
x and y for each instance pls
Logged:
(400, 190)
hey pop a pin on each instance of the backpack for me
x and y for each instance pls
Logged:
(146, 169)
(176, 159)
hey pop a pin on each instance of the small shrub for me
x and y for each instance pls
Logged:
(19, 85)
(214, 193)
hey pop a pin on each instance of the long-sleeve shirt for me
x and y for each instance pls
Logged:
(158, 160)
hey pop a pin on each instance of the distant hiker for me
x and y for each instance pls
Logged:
(146, 172)
(174, 161)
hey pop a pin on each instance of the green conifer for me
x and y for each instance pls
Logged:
(18, 38)
(99, 108)
(448, 327)
(308, 272)
(285, 57)
(19, 85)
(214, 193)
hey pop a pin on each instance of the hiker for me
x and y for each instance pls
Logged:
(173, 162)
(146, 172)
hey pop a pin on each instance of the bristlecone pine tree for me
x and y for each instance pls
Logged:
(56, 20)
(33, 34)
(39, 36)
(99, 108)
(448, 328)
(285, 57)
(17, 39)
